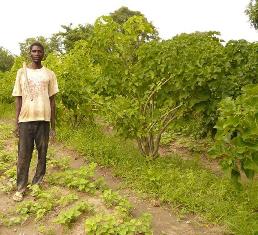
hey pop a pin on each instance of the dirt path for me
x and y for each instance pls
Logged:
(62, 159)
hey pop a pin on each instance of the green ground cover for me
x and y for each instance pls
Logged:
(184, 184)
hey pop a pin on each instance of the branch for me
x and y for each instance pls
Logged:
(160, 134)
(164, 116)
(140, 145)
(153, 92)
(96, 103)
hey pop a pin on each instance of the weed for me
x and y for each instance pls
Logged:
(61, 163)
(110, 224)
(46, 230)
(67, 199)
(113, 199)
(80, 179)
(45, 201)
(71, 215)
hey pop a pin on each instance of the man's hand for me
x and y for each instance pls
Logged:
(52, 135)
(16, 131)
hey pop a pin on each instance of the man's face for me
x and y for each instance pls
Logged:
(36, 54)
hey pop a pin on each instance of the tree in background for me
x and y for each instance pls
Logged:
(121, 15)
(6, 60)
(252, 12)
(242, 65)
(65, 41)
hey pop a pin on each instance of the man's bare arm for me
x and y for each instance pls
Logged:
(53, 113)
(18, 104)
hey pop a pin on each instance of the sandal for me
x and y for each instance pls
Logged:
(18, 196)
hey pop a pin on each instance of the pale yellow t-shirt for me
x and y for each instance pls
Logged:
(35, 93)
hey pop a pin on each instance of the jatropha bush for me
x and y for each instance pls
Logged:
(237, 134)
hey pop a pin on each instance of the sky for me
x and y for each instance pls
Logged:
(30, 18)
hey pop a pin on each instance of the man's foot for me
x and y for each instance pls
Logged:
(18, 196)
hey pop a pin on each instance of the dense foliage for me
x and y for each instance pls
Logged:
(65, 40)
(252, 12)
(237, 136)
(7, 80)
(6, 60)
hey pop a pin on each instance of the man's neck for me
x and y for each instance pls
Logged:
(34, 65)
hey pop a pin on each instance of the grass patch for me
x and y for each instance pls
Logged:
(7, 111)
(174, 181)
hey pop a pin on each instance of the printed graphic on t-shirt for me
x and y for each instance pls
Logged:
(37, 87)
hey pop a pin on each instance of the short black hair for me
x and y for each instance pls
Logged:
(37, 44)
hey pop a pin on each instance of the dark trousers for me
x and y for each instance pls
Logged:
(29, 133)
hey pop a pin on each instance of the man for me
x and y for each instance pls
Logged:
(35, 88)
